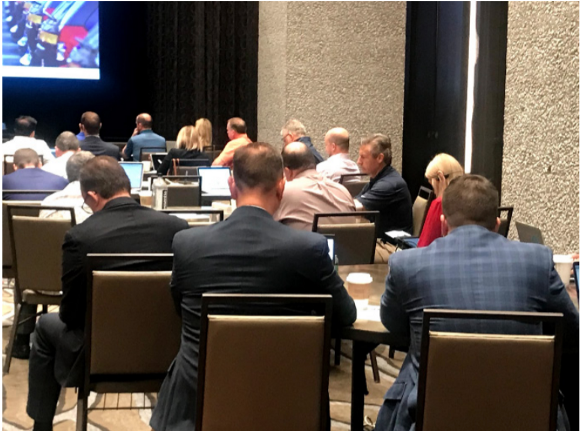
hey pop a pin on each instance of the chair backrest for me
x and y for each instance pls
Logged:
(354, 183)
(214, 214)
(7, 271)
(36, 247)
(420, 208)
(505, 221)
(186, 193)
(488, 381)
(283, 359)
(170, 145)
(131, 326)
(355, 243)
(146, 151)
(26, 193)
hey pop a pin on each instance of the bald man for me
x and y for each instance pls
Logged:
(337, 143)
(144, 137)
(307, 192)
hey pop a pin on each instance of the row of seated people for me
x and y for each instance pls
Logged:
(471, 268)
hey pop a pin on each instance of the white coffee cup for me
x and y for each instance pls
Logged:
(563, 265)
(358, 287)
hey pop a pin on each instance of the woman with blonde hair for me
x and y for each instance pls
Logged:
(440, 172)
(205, 132)
(189, 145)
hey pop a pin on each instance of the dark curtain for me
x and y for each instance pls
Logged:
(202, 62)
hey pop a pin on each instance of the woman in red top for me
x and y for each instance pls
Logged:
(440, 171)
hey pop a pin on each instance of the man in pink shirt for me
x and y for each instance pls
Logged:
(237, 132)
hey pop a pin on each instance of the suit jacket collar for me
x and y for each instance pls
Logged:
(470, 229)
(250, 211)
(119, 202)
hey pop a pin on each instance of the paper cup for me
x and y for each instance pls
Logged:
(358, 287)
(563, 265)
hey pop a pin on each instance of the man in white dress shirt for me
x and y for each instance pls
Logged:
(70, 196)
(337, 143)
(66, 145)
(24, 132)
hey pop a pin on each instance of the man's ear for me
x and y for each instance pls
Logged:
(288, 174)
(279, 189)
(233, 188)
(14, 167)
(444, 226)
(81, 128)
(497, 225)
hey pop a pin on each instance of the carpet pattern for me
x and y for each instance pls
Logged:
(15, 391)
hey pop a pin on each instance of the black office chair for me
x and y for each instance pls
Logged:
(505, 221)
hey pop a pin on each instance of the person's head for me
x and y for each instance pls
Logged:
(204, 129)
(470, 200)
(143, 122)
(291, 131)
(374, 154)
(257, 176)
(24, 126)
(441, 171)
(26, 158)
(236, 127)
(336, 141)
(297, 158)
(90, 123)
(187, 138)
(103, 179)
(66, 141)
(75, 163)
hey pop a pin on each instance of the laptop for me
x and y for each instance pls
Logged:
(527, 233)
(135, 172)
(576, 273)
(157, 159)
(215, 181)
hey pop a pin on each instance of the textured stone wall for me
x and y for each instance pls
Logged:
(332, 64)
(541, 131)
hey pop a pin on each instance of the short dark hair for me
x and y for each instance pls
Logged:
(237, 124)
(105, 176)
(24, 125)
(145, 120)
(91, 122)
(379, 144)
(470, 199)
(25, 156)
(257, 165)
(298, 157)
(67, 141)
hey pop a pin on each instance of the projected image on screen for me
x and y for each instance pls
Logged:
(50, 39)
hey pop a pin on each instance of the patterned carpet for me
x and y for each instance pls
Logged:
(15, 390)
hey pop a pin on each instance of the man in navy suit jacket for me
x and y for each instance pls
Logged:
(472, 268)
(28, 175)
(90, 126)
(247, 253)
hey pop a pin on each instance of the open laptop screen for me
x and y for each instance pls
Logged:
(134, 171)
(215, 181)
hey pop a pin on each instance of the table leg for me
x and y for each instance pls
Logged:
(359, 390)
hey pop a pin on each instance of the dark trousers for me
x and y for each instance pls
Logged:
(27, 311)
(55, 361)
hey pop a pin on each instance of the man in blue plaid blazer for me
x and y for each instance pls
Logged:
(472, 268)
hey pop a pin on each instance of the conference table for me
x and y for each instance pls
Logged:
(366, 334)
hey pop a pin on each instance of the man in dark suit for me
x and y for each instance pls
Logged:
(91, 125)
(247, 253)
(28, 175)
(118, 225)
(472, 268)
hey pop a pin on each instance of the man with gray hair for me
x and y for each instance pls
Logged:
(66, 145)
(336, 143)
(294, 131)
(70, 196)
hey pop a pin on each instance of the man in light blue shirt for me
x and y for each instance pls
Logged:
(144, 137)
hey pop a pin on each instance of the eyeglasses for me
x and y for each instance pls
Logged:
(86, 208)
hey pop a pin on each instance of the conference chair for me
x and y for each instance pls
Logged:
(188, 166)
(354, 183)
(132, 329)
(479, 382)
(354, 242)
(170, 145)
(8, 163)
(184, 190)
(7, 271)
(197, 217)
(282, 360)
(505, 221)
(36, 261)
(28, 192)
(420, 209)
(146, 151)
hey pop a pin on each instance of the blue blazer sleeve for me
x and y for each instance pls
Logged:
(393, 316)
